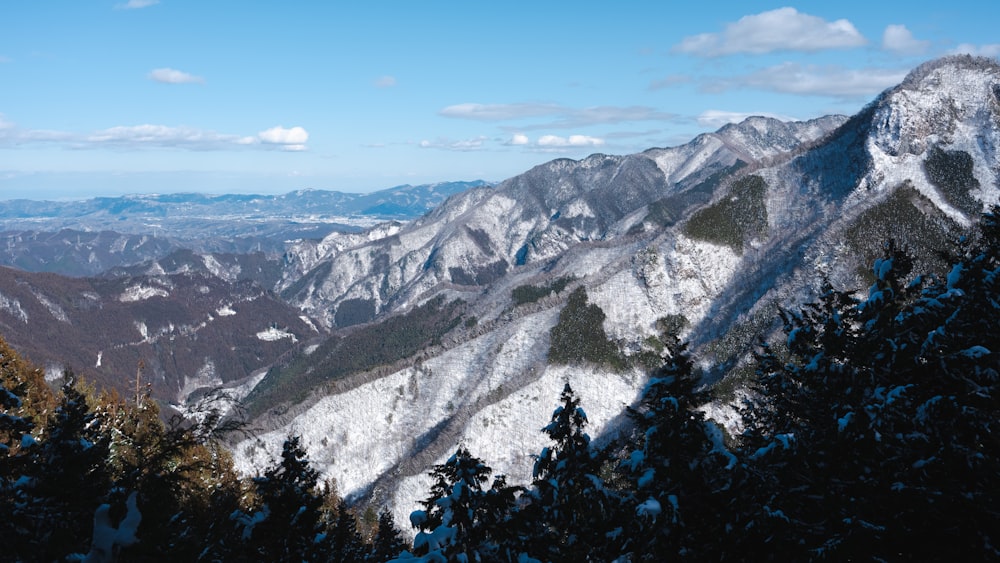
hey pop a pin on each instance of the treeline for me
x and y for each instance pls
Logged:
(95, 477)
(869, 433)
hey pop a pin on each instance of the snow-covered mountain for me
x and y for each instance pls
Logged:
(715, 234)
(92, 236)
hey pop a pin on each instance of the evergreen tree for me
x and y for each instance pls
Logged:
(571, 515)
(344, 543)
(286, 524)
(388, 541)
(679, 470)
(15, 444)
(66, 482)
(463, 520)
(876, 435)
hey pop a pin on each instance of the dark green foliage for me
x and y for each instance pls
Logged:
(485, 275)
(388, 541)
(679, 473)
(365, 348)
(461, 517)
(908, 218)
(951, 172)
(735, 219)
(523, 294)
(352, 312)
(67, 480)
(579, 335)
(876, 437)
(667, 211)
(285, 525)
(570, 514)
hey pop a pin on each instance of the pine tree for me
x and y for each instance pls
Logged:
(67, 481)
(876, 435)
(678, 468)
(461, 518)
(15, 443)
(571, 515)
(343, 543)
(286, 525)
(388, 541)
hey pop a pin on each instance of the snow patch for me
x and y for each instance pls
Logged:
(141, 293)
(274, 334)
(13, 306)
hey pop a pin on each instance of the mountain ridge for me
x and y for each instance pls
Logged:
(683, 232)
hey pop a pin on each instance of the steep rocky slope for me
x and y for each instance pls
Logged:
(715, 234)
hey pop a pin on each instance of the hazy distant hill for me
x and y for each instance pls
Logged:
(91, 236)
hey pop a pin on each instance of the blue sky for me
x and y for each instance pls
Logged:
(140, 96)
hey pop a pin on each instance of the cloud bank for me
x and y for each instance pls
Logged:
(784, 29)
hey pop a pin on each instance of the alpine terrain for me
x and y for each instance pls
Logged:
(463, 326)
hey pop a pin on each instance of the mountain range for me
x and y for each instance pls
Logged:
(88, 237)
(386, 346)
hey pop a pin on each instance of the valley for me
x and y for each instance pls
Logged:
(387, 330)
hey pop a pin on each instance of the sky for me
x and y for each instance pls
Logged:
(103, 98)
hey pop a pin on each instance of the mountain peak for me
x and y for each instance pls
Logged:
(935, 102)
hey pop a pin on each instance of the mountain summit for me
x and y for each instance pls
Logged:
(715, 235)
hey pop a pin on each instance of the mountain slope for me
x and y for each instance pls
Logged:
(716, 234)
(191, 332)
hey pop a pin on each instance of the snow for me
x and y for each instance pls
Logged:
(274, 334)
(108, 539)
(843, 421)
(225, 311)
(141, 293)
(650, 508)
(13, 306)
(54, 309)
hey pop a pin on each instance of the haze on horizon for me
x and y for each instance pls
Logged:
(159, 96)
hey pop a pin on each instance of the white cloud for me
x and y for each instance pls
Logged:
(137, 4)
(519, 139)
(131, 137)
(563, 117)
(463, 145)
(571, 141)
(717, 118)
(784, 29)
(989, 50)
(899, 39)
(135, 136)
(173, 76)
(499, 112)
(293, 139)
(669, 81)
(813, 80)
(385, 81)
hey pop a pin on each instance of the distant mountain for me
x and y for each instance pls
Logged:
(715, 236)
(193, 332)
(91, 236)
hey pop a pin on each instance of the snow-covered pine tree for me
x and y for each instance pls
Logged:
(67, 481)
(462, 519)
(570, 515)
(287, 523)
(679, 471)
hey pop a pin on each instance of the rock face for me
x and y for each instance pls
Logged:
(718, 232)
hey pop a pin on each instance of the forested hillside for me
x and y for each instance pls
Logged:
(868, 432)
